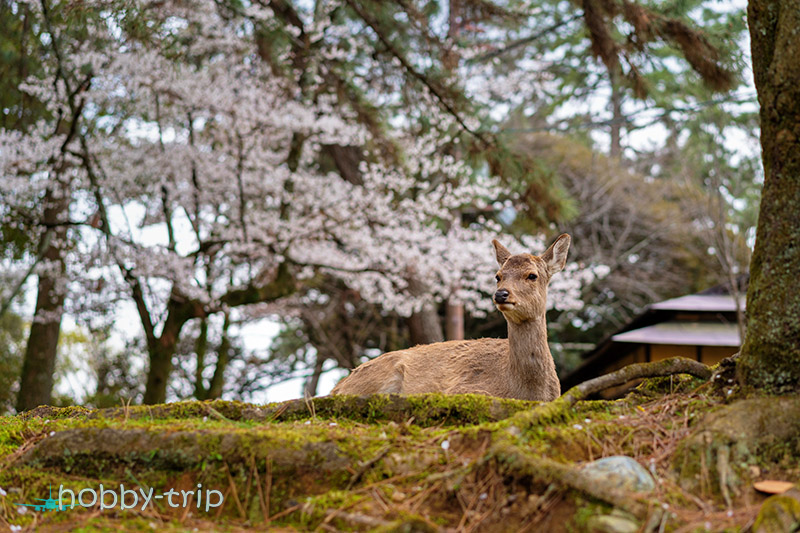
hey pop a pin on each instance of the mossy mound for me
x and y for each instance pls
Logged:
(780, 513)
(423, 409)
(382, 463)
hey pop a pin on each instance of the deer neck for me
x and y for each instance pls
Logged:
(529, 355)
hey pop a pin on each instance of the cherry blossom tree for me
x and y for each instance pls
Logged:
(222, 155)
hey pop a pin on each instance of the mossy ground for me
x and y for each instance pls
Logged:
(387, 463)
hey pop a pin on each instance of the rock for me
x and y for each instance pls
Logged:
(620, 471)
(613, 523)
(779, 513)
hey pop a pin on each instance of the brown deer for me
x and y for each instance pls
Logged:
(518, 367)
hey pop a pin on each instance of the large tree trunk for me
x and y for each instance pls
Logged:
(424, 326)
(158, 374)
(179, 311)
(770, 356)
(36, 382)
(162, 349)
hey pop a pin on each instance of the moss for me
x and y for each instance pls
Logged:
(657, 387)
(191, 409)
(409, 524)
(425, 409)
(426, 454)
(778, 514)
(582, 519)
(54, 413)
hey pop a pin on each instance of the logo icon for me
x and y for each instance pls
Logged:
(50, 504)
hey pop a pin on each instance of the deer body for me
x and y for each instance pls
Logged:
(518, 367)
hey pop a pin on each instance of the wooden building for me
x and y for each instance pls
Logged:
(699, 326)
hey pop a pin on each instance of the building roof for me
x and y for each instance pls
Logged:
(700, 302)
(683, 333)
(653, 326)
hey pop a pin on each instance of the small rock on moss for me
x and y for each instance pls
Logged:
(621, 472)
(779, 513)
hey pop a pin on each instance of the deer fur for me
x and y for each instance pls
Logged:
(518, 367)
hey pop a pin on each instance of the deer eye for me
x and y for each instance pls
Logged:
(497, 278)
(532, 277)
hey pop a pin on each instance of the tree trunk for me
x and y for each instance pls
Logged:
(163, 348)
(617, 117)
(424, 326)
(310, 388)
(158, 374)
(223, 356)
(36, 382)
(454, 320)
(179, 311)
(770, 356)
(200, 349)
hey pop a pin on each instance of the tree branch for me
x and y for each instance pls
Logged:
(279, 287)
(133, 282)
(411, 70)
(666, 367)
(522, 42)
(43, 246)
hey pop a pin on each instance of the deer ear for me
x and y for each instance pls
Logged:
(556, 256)
(501, 252)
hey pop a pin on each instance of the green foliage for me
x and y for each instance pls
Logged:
(12, 346)
(19, 58)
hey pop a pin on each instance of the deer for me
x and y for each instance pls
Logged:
(520, 366)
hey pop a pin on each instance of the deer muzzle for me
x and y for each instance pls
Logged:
(501, 296)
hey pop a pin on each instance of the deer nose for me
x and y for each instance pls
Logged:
(501, 296)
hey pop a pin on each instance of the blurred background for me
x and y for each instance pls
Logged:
(243, 200)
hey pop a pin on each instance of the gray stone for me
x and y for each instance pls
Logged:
(613, 523)
(620, 471)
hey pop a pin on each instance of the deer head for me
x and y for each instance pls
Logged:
(522, 279)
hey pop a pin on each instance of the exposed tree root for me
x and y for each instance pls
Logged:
(552, 471)
(545, 469)
(560, 406)
(666, 367)
(734, 435)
